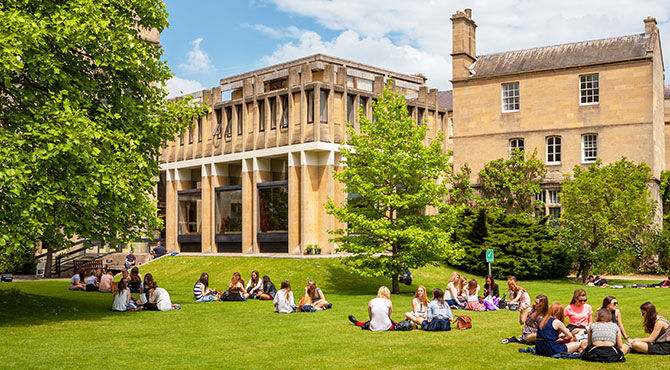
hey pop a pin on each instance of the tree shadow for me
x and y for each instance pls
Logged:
(341, 280)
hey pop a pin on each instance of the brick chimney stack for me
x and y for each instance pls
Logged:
(463, 43)
(649, 25)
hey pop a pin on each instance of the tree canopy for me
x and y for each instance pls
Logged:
(83, 117)
(393, 181)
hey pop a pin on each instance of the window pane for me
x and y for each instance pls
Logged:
(323, 102)
(350, 109)
(261, 115)
(189, 214)
(310, 106)
(273, 209)
(228, 211)
(240, 120)
(284, 111)
(273, 113)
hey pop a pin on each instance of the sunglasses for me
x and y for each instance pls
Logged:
(615, 303)
(582, 300)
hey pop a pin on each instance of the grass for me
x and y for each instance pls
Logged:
(44, 325)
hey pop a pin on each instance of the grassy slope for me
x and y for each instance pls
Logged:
(49, 326)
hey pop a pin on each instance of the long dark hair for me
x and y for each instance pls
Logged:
(286, 285)
(254, 281)
(82, 274)
(204, 279)
(266, 281)
(438, 295)
(540, 309)
(578, 293)
(489, 286)
(121, 287)
(607, 301)
(149, 282)
(135, 274)
(649, 312)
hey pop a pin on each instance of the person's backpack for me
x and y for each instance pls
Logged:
(407, 280)
(463, 322)
(513, 307)
(307, 308)
(502, 304)
(404, 325)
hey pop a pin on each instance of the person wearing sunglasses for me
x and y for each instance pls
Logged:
(579, 313)
(612, 305)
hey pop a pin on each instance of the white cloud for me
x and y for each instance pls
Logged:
(275, 33)
(178, 86)
(196, 59)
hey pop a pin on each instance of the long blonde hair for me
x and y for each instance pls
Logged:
(463, 282)
(384, 292)
(454, 278)
(513, 285)
(425, 300)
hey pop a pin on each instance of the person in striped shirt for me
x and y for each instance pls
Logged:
(201, 290)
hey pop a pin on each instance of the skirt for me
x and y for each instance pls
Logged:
(436, 325)
(475, 306)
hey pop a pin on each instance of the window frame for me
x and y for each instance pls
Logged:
(583, 150)
(309, 96)
(261, 115)
(554, 145)
(503, 97)
(240, 119)
(595, 96)
(516, 139)
(283, 99)
(323, 105)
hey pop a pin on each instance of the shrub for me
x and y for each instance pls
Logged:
(523, 246)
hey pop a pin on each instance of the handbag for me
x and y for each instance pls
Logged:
(463, 322)
(513, 307)
(404, 325)
(304, 301)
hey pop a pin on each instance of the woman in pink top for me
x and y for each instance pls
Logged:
(106, 282)
(579, 313)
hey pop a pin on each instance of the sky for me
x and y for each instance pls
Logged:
(211, 39)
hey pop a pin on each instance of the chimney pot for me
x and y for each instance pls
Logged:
(649, 25)
(468, 11)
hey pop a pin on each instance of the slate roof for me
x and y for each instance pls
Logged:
(445, 99)
(562, 56)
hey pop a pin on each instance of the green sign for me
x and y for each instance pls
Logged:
(489, 255)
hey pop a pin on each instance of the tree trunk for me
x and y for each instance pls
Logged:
(580, 268)
(396, 286)
(585, 272)
(50, 256)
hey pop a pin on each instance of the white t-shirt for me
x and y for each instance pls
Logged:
(381, 320)
(283, 304)
(161, 298)
(119, 303)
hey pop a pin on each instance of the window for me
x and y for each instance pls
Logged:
(275, 84)
(189, 213)
(323, 105)
(554, 150)
(363, 104)
(229, 123)
(554, 198)
(555, 212)
(261, 115)
(219, 119)
(515, 144)
(589, 89)
(284, 111)
(589, 148)
(200, 130)
(419, 116)
(310, 106)
(359, 83)
(541, 196)
(451, 127)
(441, 118)
(374, 104)
(240, 120)
(351, 101)
(181, 139)
(510, 97)
(228, 210)
(351, 82)
(273, 113)
(273, 207)
(190, 134)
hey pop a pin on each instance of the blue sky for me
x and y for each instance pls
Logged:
(209, 39)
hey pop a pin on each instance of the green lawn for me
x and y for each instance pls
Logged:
(44, 325)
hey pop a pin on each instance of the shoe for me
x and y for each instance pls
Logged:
(329, 305)
(505, 341)
(353, 319)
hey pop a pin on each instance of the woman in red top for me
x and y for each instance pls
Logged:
(579, 313)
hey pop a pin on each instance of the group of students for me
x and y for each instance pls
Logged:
(600, 340)
(262, 289)
(92, 281)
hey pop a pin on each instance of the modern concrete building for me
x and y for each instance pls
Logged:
(254, 175)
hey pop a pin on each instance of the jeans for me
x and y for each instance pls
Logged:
(206, 298)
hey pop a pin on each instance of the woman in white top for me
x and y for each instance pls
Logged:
(254, 286)
(284, 302)
(160, 298)
(379, 310)
(122, 301)
(517, 294)
(419, 305)
(451, 292)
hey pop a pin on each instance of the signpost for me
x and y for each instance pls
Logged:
(489, 258)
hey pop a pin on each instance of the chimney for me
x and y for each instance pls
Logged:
(649, 25)
(463, 43)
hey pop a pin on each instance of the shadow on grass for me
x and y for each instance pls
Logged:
(339, 279)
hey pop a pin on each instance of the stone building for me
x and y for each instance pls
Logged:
(253, 175)
(572, 103)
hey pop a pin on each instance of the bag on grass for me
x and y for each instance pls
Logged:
(502, 304)
(304, 301)
(404, 325)
(513, 307)
(436, 325)
(602, 354)
(463, 322)
(307, 308)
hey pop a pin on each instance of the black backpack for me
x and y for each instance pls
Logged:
(502, 304)
(404, 325)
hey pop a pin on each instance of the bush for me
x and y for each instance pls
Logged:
(18, 262)
(522, 246)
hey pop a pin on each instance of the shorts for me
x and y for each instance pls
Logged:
(572, 327)
(660, 348)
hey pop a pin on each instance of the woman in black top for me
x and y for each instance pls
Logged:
(269, 290)
(135, 281)
(491, 288)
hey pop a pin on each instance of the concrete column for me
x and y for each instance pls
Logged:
(207, 216)
(249, 206)
(294, 201)
(171, 221)
(326, 191)
(309, 197)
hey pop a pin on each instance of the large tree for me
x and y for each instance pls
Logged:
(603, 206)
(392, 178)
(83, 117)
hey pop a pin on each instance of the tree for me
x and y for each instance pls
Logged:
(461, 192)
(82, 121)
(396, 178)
(603, 206)
(511, 183)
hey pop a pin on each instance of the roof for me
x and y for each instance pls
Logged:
(445, 99)
(562, 56)
(667, 92)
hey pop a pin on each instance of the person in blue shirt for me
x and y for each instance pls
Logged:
(130, 260)
(159, 251)
(438, 315)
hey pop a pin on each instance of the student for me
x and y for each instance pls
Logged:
(604, 340)
(419, 305)
(491, 288)
(316, 295)
(471, 294)
(612, 305)
(517, 294)
(254, 286)
(597, 281)
(159, 251)
(379, 311)
(125, 275)
(107, 282)
(579, 313)
(76, 280)
(122, 301)
(530, 321)
(658, 327)
(547, 333)
(130, 260)
(92, 282)
(283, 300)
(663, 284)
(160, 301)
(148, 287)
(269, 291)
(451, 292)
(135, 281)
(235, 290)
(438, 316)
(406, 277)
(201, 291)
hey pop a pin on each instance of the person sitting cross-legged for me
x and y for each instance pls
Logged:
(658, 327)
(439, 316)
(379, 311)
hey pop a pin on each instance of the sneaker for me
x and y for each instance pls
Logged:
(505, 341)
(352, 319)
(329, 305)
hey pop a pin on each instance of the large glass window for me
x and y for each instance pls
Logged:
(284, 111)
(189, 213)
(323, 106)
(273, 207)
(229, 210)
(510, 97)
(310, 106)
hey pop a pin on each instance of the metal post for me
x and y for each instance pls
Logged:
(489, 268)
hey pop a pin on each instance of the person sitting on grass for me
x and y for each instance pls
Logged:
(135, 280)
(269, 291)
(148, 287)
(491, 288)
(283, 300)
(604, 340)
(125, 275)
(160, 299)
(92, 282)
(419, 305)
(77, 279)
(438, 316)
(379, 311)
(254, 286)
(551, 326)
(658, 327)
(316, 295)
(579, 313)
(471, 294)
(597, 281)
(235, 290)
(122, 301)
(451, 292)
(530, 321)
(107, 282)
(517, 295)
(201, 290)
(611, 305)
